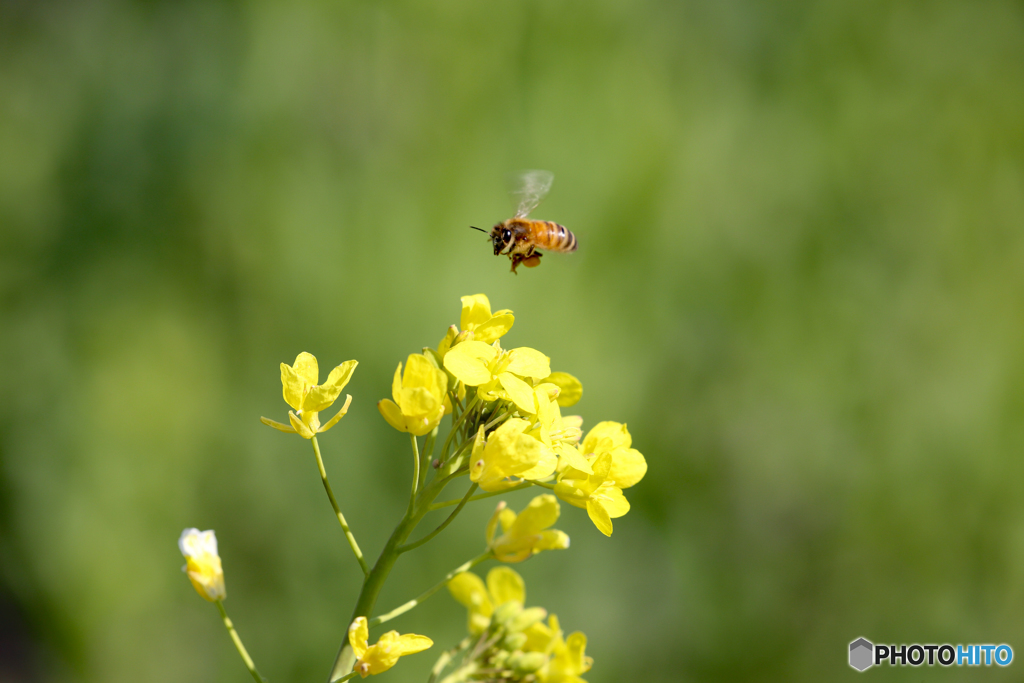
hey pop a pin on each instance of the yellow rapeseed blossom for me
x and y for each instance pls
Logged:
(477, 321)
(614, 466)
(556, 431)
(498, 374)
(567, 657)
(504, 585)
(202, 563)
(307, 398)
(383, 654)
(419, 396)
(509, 452)
(527, 533)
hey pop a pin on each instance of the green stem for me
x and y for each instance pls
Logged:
(347, 677)
(238, 643)
(464, 567)
(428, 453)
(337, 510)
(481, 496)
(415, 472)
(455, 428)
(542, 483)
(465, 499)
(500, 418)
(378, 575)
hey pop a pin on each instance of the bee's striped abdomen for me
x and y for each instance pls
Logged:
(553, 237)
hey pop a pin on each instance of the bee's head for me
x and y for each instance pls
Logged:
(501, 237)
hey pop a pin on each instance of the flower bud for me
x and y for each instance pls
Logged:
(527, 662)
(202, 563)
(527, 618)
(505, 613)
(514, 641)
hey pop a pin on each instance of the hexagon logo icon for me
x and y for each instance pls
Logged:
(861, 654)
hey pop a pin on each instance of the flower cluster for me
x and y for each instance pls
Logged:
(513, 416)
(507, 432)
(509, 641)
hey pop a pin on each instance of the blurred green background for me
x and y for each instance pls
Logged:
(799, 282)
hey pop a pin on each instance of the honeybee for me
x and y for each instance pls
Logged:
(519, 237)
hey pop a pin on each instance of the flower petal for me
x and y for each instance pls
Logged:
(519, 391)
(476, 310)
(393, 414)
(545, 461)
(469, 362)
(305, 366)
(527, 362)
(616, 431)
(494, 328)
(505, 585)
(612, 500)
(469, 590)
(602, 466)
(573, 458)
(277, 425)
(411, 643)
(358, 633)
(301, 427)
(599, 516)
(320, 397)
(628, 467)
(571, 493)
(571, 390)
(541, 513)
(340, 414)
(417, 402)
(293, 386)
(576, 645)
(341, 375)
(552, 539)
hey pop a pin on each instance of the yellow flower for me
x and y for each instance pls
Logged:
(419, 396)
(308, 398)
(202, 563)
(527, 533)
(614, 466)
(509, 452)
(567, 657)
(496, 373)
(384, 654)
(503, 586)
(554, 429)
(477, 321)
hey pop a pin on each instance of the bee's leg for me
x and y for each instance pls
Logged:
(516, 260)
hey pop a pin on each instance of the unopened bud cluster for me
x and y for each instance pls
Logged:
(511, 642)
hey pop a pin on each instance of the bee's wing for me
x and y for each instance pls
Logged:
(528, 188)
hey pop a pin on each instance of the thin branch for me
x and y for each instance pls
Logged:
(402, 609)
(481, 496)
(337, 510)
(416, 544)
